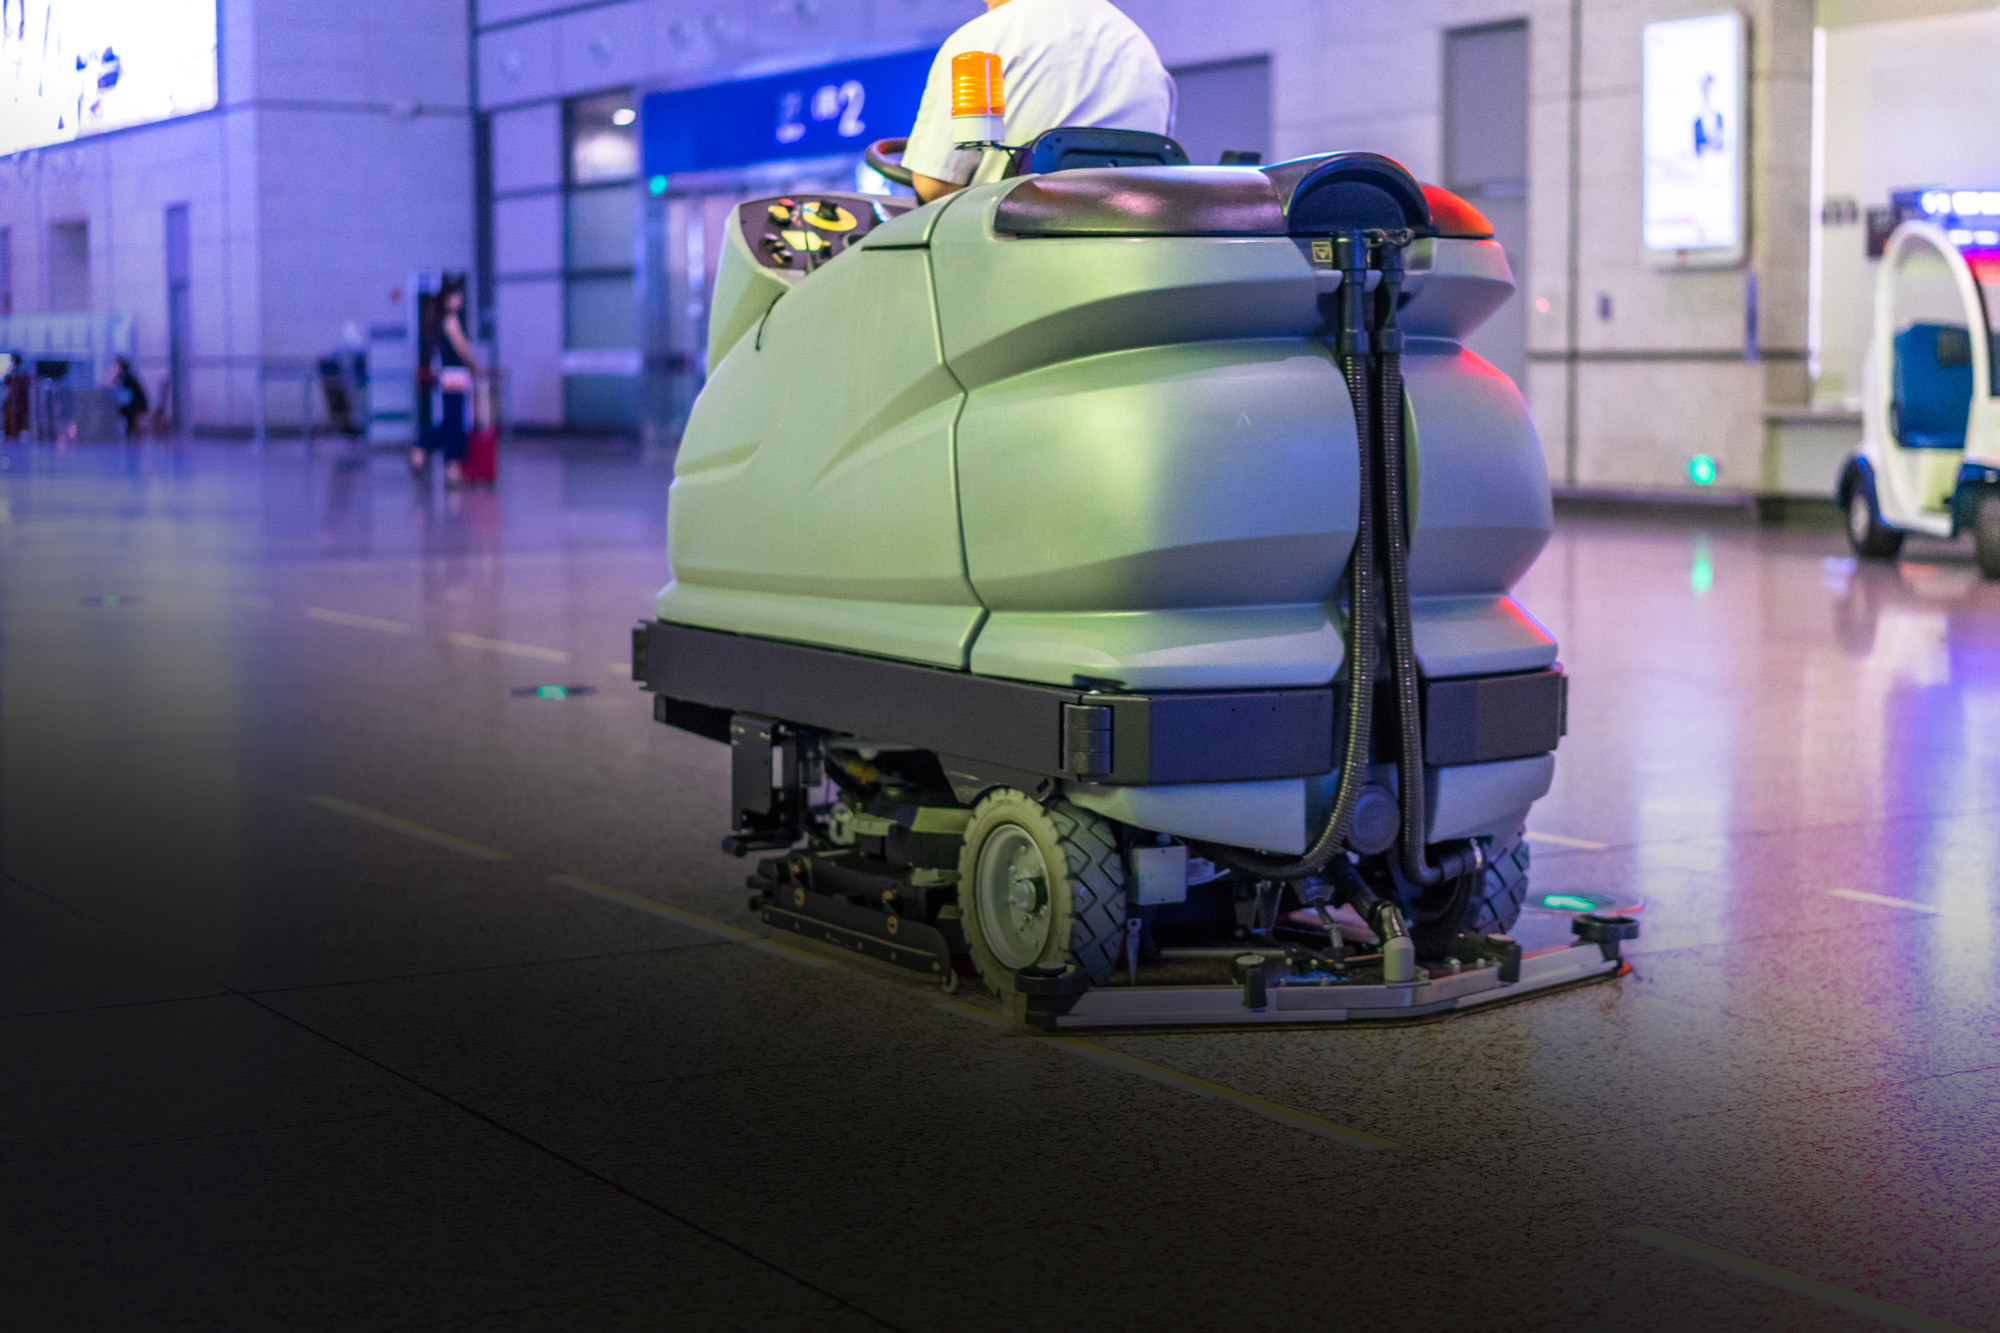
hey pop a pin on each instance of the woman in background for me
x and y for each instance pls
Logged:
(455, 367)
(14, 409)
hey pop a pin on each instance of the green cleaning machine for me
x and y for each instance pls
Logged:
(1100, 578)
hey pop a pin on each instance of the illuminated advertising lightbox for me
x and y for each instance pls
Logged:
(1694, 140)
(70, 68)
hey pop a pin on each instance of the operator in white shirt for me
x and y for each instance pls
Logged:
(1062, 62)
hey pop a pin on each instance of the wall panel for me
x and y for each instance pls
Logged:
(530, 351)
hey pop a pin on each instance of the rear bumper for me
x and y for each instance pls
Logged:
(1113, 738)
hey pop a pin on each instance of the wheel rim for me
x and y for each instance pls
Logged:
(1014, 896)
(1860, 516)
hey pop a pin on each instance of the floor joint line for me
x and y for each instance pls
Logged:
(556, 1155)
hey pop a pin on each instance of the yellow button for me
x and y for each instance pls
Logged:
(842, 220)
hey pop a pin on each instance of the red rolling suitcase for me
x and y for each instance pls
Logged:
(482, 455)
(482, 442)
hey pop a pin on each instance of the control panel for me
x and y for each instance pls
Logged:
(801, 232)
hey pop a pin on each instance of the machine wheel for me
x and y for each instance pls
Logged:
(1986, 535)
(1485, 903)
(1040, 884)
(1865, 530)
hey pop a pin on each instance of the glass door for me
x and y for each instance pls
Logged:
(687, 222)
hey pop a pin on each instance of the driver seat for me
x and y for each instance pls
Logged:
(1072, 146)
(1933, 386)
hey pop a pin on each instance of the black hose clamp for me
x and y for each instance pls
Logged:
(1351, 256)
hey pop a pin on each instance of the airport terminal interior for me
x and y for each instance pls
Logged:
(622, 709)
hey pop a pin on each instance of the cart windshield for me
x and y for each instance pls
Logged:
(1984, 262)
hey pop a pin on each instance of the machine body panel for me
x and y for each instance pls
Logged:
(1211, 480)
(856, 454)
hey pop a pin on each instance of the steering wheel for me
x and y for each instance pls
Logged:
(878, 156)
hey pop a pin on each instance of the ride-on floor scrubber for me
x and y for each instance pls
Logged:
(1100, 577)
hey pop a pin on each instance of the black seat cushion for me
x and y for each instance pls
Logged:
(1073, 146)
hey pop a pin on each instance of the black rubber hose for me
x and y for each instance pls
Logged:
(1352, 344)
(1396, 558)
(1350, 890)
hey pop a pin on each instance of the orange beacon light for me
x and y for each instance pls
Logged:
(978, 107)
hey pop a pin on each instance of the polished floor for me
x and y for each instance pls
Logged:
(347, 981)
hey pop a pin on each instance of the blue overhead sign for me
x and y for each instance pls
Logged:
(807, 113)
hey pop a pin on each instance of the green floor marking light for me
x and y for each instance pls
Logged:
(551, 691)
(1701, 470)
(1701, 573)
(1567, 902)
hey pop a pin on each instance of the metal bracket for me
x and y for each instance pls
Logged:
(1086, 739)
(897, 941)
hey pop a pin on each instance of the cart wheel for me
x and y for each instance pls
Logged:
(1866, 532)
(1040, 884)
(1986, 535)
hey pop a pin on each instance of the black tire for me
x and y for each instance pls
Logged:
(1085, 897)
(1866, 533)
(1986, 535)
(1486, 902)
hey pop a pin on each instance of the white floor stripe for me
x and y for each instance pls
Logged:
(748, 939)
(1200, 1087)
(1558, 840)
(1893, 1315)
(693, 920)
(352, 621)
(793, 955)
(1856, 895)
(502, 646)
(422, 832)
(973, 1012)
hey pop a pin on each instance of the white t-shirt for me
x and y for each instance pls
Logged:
(1062, 62)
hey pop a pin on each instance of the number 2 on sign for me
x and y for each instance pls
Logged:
(852, 95)
(841, 103)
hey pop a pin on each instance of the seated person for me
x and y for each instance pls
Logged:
(1062, 62)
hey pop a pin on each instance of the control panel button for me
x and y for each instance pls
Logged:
(799, 233)
(829, 216)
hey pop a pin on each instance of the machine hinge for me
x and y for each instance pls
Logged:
(1086, 739)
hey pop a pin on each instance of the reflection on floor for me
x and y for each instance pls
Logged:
(366, 958)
